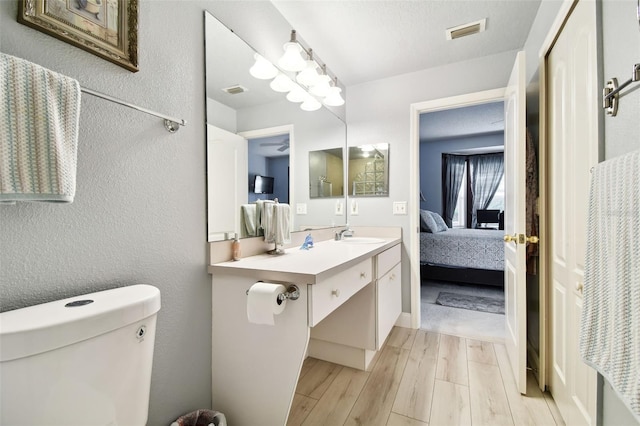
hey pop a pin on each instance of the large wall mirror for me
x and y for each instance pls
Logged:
(259, 144)
(369, 170)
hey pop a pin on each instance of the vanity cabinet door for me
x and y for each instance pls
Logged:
(389, 302)
(388, 292)
(327, 295)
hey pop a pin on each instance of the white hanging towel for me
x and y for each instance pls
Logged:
(261, 215)
(610, 326)
(39, 114)
(277, 223)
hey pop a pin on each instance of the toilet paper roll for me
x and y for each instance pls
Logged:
(263, 304)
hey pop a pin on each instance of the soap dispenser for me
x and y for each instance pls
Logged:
(235, 249)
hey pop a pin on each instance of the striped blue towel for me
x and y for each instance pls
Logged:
(610, 326)
(39, 116)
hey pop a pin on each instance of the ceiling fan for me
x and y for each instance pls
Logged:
(284, 145)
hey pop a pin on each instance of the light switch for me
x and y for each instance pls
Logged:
(339, 208)
(399, 207)
(301, 208)
(354, 208)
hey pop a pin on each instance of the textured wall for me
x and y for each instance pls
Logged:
(139, 215)
(621, 45)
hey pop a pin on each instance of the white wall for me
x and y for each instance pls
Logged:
(621, 45)
(139, 215)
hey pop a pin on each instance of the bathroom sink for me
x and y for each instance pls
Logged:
(362, 240)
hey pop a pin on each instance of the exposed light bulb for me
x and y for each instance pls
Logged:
(281, 83)
(333, 98)
(263, 69)
(310, 104)
(297, 94)
(292, 60)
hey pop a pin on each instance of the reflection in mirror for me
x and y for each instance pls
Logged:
(326, 173)
(369, 170)
(241, 108)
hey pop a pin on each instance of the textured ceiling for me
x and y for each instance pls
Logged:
(367, 40)
(460, 122)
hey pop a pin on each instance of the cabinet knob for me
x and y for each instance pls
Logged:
(392, 277)
(579, 287)
(336, 292)
(363, 275)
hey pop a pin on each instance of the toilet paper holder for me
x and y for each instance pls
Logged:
(292, 293)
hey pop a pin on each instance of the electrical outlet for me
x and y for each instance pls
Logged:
(399, 207)
(354, 208)
(301, 208)
(339, 208)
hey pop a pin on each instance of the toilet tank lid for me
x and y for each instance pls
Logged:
(40, 328)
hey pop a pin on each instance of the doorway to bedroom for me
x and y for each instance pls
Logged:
(461, 168)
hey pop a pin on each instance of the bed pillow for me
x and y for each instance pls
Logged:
(439, 221)
(427, 223)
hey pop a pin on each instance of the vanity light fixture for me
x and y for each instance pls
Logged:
(263, 69)
(292, 59)
(308, 77)
(281, 83)
(309, 86)
(333, 97)
(297, 94)
(310, 104)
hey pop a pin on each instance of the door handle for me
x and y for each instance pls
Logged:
(533, 239)
(511, 238)
(521, 239)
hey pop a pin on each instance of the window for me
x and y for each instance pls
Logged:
(460, 213)
(497, 202)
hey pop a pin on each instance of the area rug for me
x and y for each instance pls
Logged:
(473, 303)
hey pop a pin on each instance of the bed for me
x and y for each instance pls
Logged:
(463, 255)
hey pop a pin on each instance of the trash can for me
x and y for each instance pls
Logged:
(201, 418)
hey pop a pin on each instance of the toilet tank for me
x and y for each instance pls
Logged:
(82, 361)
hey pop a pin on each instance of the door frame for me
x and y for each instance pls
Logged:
(460, 101)
(286, 129)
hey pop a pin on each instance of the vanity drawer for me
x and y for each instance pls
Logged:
(327, 295)
(389, 302)
(388, 259)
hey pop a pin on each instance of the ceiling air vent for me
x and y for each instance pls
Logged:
(466, 29)
(234, 90)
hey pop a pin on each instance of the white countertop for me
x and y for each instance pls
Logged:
(324, 259)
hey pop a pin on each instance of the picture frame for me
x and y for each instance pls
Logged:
(106, 28)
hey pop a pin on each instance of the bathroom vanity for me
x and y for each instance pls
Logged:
(349, 300)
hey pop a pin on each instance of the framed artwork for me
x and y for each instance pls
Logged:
(106, 28)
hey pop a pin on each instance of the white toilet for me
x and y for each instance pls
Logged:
(81, 361)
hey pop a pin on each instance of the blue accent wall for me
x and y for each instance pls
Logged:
(431, 164)
(257, 165)
(278, 167)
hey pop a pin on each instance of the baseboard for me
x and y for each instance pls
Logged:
(404, 320)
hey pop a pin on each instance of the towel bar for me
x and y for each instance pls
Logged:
(171, 124)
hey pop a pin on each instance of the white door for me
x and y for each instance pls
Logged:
(514, 222)
(573, 113)
(227, 172)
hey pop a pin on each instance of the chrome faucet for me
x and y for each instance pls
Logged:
(345, 233)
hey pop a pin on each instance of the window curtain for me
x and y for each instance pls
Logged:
(452, 174)
(486, 173)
